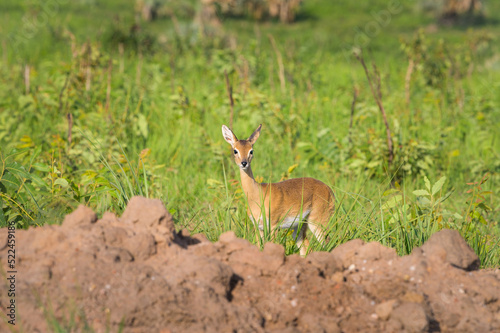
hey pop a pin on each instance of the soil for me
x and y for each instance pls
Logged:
(136, 274)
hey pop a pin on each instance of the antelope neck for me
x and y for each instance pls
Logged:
(250, 186)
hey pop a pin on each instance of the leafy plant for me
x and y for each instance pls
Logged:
(477, 207)
(28, 189)
(417, 219)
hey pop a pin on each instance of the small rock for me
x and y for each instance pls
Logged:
(384, 309)
(412, 316)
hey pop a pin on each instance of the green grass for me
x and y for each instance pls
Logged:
(159, 133)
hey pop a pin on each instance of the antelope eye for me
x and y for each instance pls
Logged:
(235, 152)
(251, 152)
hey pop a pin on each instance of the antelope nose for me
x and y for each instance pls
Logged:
(244, 164)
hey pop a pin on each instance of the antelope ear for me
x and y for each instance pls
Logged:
(229, 135)
(255, 135)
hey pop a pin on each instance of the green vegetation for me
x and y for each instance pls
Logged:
(96, 107)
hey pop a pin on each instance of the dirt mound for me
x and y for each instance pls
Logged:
(136, 272)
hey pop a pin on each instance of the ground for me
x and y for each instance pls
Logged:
(137, 274)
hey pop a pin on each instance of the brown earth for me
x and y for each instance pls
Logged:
(136, 272)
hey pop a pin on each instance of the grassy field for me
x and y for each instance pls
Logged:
(96, 106)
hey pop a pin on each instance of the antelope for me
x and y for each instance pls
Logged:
(299, 203)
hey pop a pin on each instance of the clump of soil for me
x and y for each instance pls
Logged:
(137, 273)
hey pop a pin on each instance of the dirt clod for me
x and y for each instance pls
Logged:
(136, 272)
(81, 216)
(453, 249)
